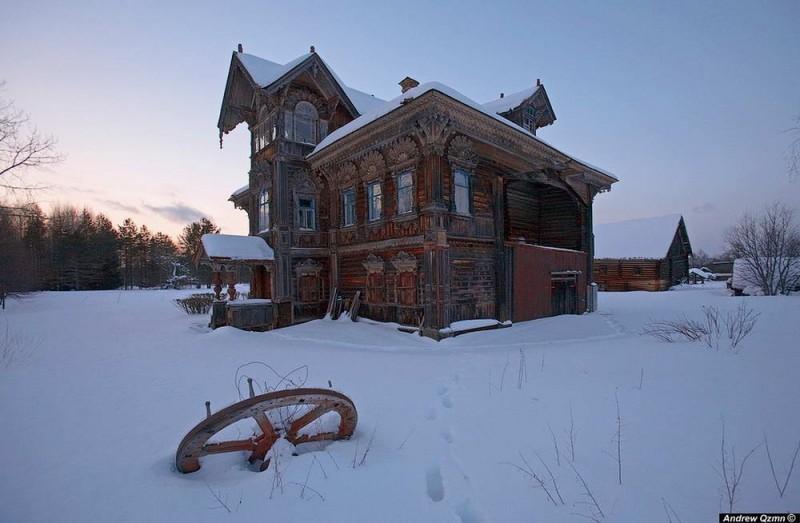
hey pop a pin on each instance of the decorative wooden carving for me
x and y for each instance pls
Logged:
(347, 174)
(308, 267)
(402, 153)
(373, 165)
(374, 264)
(432, 128)
(461, 152)
(302, 182)
(298, 94)
(404, 262)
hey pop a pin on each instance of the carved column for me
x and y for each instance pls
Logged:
(232, 285)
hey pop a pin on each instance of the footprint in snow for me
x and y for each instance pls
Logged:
(434, 485)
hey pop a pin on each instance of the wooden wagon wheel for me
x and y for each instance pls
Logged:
(318, 401)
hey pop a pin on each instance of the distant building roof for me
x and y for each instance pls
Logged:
(646, 238)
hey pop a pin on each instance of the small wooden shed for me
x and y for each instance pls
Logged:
(650, 254)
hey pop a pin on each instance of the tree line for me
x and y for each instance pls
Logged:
(76, 249)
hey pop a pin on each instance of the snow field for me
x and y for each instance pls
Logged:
(110, 382)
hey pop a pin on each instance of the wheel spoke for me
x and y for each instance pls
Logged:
(319, 401)
(228, 446)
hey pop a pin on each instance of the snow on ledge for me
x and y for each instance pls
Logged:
(235, 247)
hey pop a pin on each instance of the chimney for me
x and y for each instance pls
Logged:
(313, 50)
(241, 49)
(502, 95)
(538, 82)
(408, 83)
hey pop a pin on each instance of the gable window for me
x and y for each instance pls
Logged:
(529, 119)
(349, 207)
(263, 210)
(374, 201)
(306, 208)
(303, 124)
(461, 191)
(405, 192)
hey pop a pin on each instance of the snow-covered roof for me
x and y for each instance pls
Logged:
(387, 107)
(235, 247)
(506, 103)
(646, 238)
(240, 190)
(265, 72)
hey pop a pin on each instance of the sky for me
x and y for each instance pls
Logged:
(687, 103)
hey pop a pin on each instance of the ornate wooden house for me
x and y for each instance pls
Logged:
(650, 254)
(433, 207)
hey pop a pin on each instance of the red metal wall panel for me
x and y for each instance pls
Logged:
(533, 275)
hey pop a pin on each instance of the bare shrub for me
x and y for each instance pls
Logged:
(739, 323)
(730, 471)
(196, 303)
(781, 489)
(550, 489)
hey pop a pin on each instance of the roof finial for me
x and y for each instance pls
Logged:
(241, 49)
(313, 50)
(538, 82)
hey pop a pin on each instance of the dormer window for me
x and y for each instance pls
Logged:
(303, 124)
(529, 119)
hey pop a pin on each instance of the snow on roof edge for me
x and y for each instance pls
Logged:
(416, 92)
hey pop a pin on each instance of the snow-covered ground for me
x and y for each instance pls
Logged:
(98, 388)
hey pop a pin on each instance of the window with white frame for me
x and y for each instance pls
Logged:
(461, 191)
(405, 192)
(349, 207)
(529, 119)
(306, 207)
(374, 201)
(303, 124)
(263, 210)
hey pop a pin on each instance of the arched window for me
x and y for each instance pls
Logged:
(263, 210)
(301, 125)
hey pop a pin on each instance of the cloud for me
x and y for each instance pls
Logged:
(177, 212)
(119, 206)
(706, 208)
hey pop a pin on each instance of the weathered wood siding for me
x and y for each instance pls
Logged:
(381, 296)
(544, 215)
(472, 280)
(631, 275)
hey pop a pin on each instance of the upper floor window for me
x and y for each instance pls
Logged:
(405, 192)
(306, 210)
(303, 124)
(263, 210)
(349, 207)
(529, 119)
(374, 201)
(461, 191)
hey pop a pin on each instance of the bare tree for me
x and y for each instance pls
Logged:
(769, 244)
(794, 150)
(22, 147)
